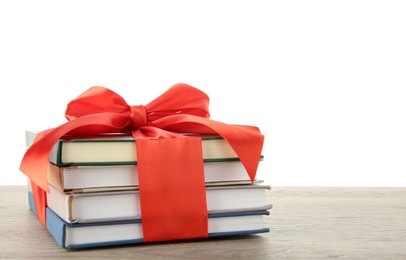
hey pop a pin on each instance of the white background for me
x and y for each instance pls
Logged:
(324, 80)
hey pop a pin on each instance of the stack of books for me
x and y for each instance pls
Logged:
(94, 197)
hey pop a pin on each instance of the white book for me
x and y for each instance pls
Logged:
(126, 176)
(125, 205)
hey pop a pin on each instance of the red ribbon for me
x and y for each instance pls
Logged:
(170, 165)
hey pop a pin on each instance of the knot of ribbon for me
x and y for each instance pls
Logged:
(157, 126)
(138, 117)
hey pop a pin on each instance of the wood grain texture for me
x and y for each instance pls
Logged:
(305, 222)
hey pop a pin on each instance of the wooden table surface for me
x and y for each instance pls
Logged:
(305, 223)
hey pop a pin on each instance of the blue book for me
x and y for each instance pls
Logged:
(101, 234)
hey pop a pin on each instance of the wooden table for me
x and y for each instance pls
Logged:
(305, 222)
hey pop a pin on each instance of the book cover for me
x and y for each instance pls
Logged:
(89, 235)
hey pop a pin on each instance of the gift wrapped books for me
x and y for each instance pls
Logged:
(118, 174)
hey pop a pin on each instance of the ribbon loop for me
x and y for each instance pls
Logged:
(138, 117)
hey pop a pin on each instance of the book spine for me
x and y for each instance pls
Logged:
(29, 138)
(55, 152)
(56, 227)
(31, 203)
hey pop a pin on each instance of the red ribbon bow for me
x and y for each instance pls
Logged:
(173, 198)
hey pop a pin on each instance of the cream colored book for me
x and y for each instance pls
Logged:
(120, 149)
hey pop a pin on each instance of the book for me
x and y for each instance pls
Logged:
(119, 149)
(124, 205)
(102, 234)
(110, 177)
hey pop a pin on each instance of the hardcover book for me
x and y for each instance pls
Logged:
(111, 177)
(123, 205)
(118, 149)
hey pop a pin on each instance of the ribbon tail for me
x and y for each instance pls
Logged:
(246, 141)
(40, 202)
